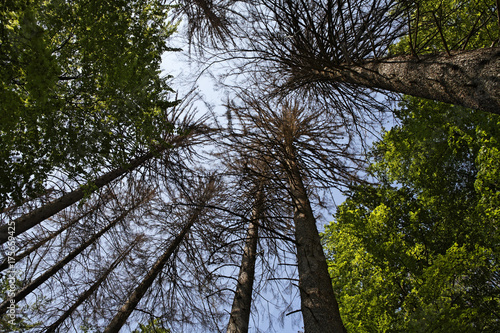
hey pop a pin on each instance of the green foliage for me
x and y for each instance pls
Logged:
(20, 322)
(419, 252)
(80, 86)
(449, 24)
(88, 327)
(154, 326)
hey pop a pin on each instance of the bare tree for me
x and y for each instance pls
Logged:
(311, 150)
(27, 289)
(28, 221)
(188, 133)
(39, 243)
(135, 297)
(242, 301)
(85, 295)
(340, 47)
(209, 22)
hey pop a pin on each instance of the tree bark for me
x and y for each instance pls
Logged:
(466, 78)
(28, 221)
(52, 328)
(21, 294)
(5, 264)
(319, 307)
(240, 311)
(124, 312)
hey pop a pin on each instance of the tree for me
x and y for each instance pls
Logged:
(242, 301)
(85, 295)
(5, 264)
(135, 297)
(302, 145)
(28, 221)
(208, 21)
(28, 288)
(262, 227)
(418, 252)
(52, 259)
(31, 219)
(77, 94)
(340, 47)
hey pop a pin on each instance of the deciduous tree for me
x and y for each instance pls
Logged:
(418, 251)
(81, 88)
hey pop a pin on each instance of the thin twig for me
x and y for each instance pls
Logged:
(441, 34)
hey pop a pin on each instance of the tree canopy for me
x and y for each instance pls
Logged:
(419, 251)
(130, 210)
(81, 88)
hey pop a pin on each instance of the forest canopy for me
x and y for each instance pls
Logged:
(419, 250)
(132, 204)
(81, 88)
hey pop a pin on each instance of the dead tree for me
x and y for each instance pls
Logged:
(242, 301)
(135, 297)
(312, 151)
(343, 47)
(39, 243)
(97, 284)
(31, 219)
(22, 293)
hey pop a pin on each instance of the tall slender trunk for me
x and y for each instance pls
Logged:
(22, 293)
(5, 264)
(319, 307)
(467, 78)
(85, 295)
(240, 311)
(130, 304)
(28, 221)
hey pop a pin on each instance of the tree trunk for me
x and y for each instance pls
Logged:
(124, 312)
(467, 78)
(240, 311)
(90, 291)
(319, 307)
(5, 264)
(21, 294)
(28, 221)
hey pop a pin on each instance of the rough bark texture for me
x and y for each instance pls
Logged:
(84, 296)
(124, 312)
(240, 311)
(28, 221)
(319, 307)
(22, 293)
(467, 78)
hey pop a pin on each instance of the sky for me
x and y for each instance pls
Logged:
(185, 77)
(185, 72)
